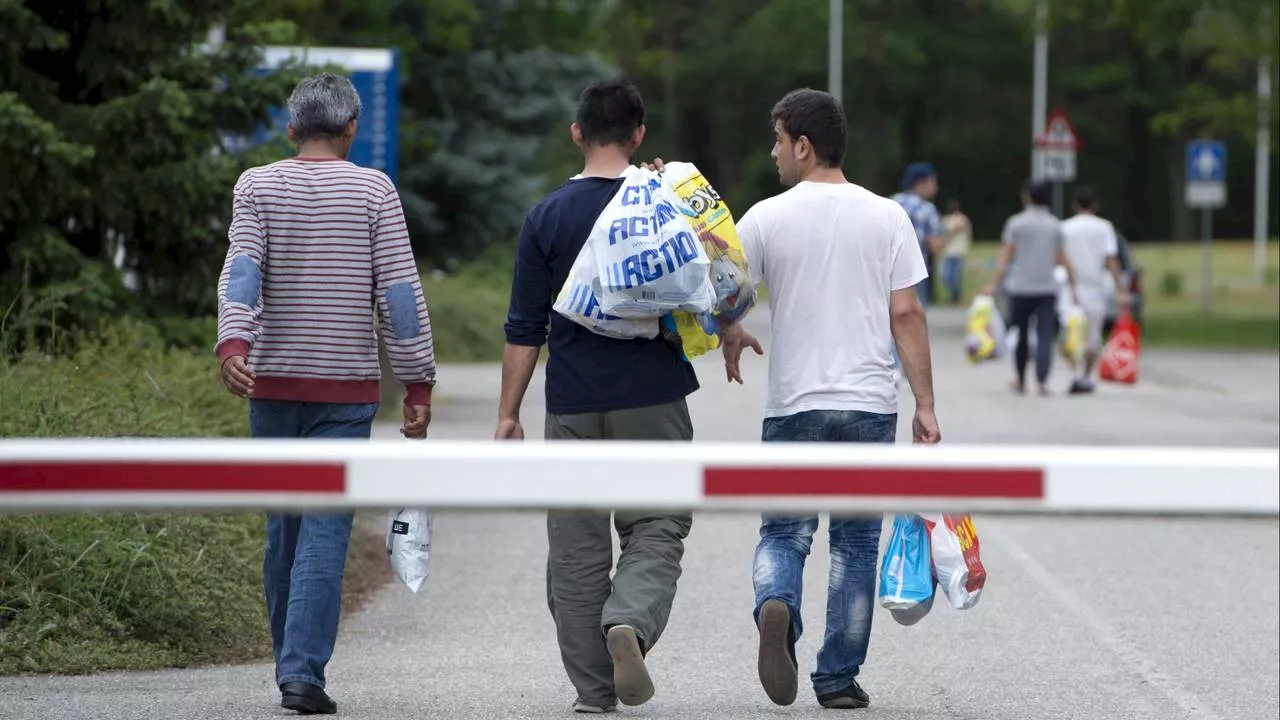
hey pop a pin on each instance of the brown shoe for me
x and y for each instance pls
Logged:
(777, 660)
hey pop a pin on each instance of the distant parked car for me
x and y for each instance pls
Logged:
(1130, 272)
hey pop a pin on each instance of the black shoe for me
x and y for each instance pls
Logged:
(777, 659)
(1081, 387)
(306, 699)
(849, 698)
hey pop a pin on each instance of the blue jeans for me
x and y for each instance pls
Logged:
(953, 275)
(855, 547)
(306, 554)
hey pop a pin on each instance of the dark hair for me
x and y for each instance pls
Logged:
(609, 112)
(1039, 192)
(818, 116)
(1086, 198)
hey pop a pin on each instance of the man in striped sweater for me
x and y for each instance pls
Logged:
(315, 243)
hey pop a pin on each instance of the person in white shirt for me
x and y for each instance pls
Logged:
(841, 264)
(1090, 243)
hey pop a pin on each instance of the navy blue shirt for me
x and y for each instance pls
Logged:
(586, 372)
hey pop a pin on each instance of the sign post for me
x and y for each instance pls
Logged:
(1206, 191)
(1055, 155)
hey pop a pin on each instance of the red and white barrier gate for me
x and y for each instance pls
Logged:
(187, 474)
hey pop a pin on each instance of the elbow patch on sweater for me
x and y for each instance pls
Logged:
(402, 305)
(244, 282)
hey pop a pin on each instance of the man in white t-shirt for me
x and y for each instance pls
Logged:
(841, 264)
(1090, 243)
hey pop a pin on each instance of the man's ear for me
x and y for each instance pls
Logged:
(575, 132)
(288, 132)
(803, 148)
(637, 138)
(350, 132)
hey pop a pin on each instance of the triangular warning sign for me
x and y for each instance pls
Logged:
(1059, 133)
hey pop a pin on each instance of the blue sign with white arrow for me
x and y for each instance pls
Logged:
(1206, 161)
(1206, 174)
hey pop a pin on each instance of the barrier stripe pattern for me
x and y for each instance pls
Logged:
(874, 481)
(73, 475)
(175, 477)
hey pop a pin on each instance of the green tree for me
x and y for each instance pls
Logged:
(487, 89)
(114, 127)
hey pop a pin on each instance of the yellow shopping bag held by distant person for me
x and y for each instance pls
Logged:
(1073, 337)
(985, 330)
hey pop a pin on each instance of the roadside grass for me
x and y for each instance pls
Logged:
(84, 591)
(1244, 315)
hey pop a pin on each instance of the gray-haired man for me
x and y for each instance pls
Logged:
(313, 240)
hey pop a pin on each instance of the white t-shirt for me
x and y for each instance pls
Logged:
(830, 255)
(1089, 240)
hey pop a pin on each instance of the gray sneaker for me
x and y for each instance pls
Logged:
(630, 678)
(581, 706)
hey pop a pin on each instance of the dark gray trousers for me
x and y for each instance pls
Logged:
(583, 601)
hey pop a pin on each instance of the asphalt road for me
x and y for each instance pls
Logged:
(1115, 619)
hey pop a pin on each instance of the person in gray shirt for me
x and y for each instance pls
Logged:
(1034, 246)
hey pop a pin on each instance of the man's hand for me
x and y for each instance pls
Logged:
(924, 427)
(1123, 299)
(237, 376)
(416, 420)
(509, 429)
(988, 289)
(732, 344)
(656, 166)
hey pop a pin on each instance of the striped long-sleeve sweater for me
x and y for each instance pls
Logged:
(315, 245)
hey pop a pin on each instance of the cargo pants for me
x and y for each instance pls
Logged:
(583, 600)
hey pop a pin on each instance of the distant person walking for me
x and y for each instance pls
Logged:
(960, 238)
(315, 243)
(919, 187)
(841, 264)
(1093, 247)
(1033, 247)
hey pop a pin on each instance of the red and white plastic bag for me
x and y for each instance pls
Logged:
(957, 562)
(1120, 356)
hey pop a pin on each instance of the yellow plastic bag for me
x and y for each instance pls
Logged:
(984, 332)
(713, 223)
(1073, 339)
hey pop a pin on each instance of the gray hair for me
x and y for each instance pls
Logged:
(321, 106)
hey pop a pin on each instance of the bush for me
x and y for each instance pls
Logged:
(121, 382)
(1171, 283)
(85, 592)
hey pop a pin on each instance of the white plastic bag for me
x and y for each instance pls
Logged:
(409, 545)
(579, 301)
(957, 563)
(648, 258)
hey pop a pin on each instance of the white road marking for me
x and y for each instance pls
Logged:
(1129, 654)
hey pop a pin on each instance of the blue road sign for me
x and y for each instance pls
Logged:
(375, 74)
(1206, 161)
